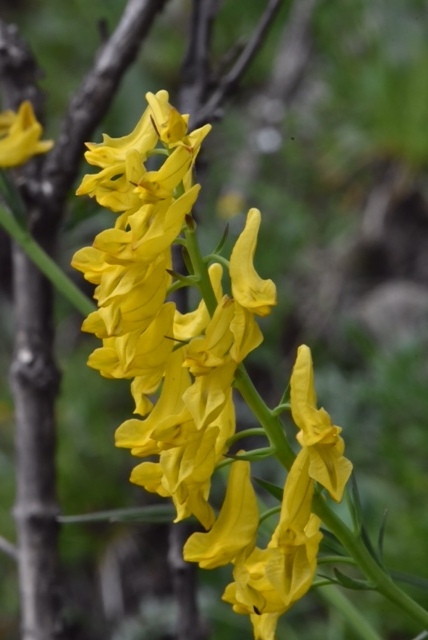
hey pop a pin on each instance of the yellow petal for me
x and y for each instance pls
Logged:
(235, 528)
(330, 468)
(297, 498)
(149, 475)
(212, 350)
(133, 434)
(207, 396)
(302, 390)
(113, 150)
(246, 332)
(192, 324)
(264, 626)
(251, 291)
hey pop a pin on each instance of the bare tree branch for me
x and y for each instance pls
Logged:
(196, 72)
(34, 376)
(18, 70)
(94, 97)
(266, 111)
(294, 51)
(229, 82)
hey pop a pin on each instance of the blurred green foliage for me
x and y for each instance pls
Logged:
(367, 104)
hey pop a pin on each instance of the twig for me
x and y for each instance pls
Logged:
(8, 548)
(265, 121)
(196, 72)
(229, 82)
(294, 51)
(93, 99)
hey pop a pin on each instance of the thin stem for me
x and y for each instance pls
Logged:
(268, 513)
(270, 422)
(200, 268)
(354, 618)
(335, 560)
(217, 258)
(45, 263)
(245, 434)
(280, 408)
(381, 581)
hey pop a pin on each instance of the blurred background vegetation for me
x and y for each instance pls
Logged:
(338, 169)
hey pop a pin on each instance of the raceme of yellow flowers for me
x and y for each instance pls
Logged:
(188, 362)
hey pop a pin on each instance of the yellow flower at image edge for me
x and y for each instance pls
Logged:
(20, 136)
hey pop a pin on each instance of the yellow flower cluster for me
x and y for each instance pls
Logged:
(188, 359)
(269, 581)
(188, 362)
(20, 136)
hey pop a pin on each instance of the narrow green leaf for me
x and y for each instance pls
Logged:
(223, 239)
(408, 578)
(382, 534)
(329, 542)
(276, 492)
(351, 583)
(354, 504)
(152, 513)
(187, 261)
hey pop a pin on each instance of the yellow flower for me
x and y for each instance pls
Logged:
(251, 291)
(155, 231)
(170, 125)
(138, 354)
(20, 136)
(235, 529)
(92, 263)
(159, 185)
(112, 186)
(112, 151)
(143, 436)
(317, 433)
(129, 297)
(187, 472)
(269, 581)
(207, 396)
(151, 230)
(194, 323)
(211, 350)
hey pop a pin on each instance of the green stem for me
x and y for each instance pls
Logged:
(335, 560)
(200, 267)
(245, 434)
(280, 408)
(380, 580)
(352, 615)
(271, 423)
(45, 263)
(268, 513)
